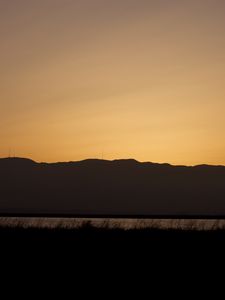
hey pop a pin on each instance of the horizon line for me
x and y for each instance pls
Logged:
(113, 160)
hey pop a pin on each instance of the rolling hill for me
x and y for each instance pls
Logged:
(115, 188)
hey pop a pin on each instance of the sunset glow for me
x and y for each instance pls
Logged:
(114, 79)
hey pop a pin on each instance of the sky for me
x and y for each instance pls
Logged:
(141, 79)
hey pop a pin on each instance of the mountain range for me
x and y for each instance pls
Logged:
(110, 188)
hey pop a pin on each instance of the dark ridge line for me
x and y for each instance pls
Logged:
(112, 216)
(131, 160)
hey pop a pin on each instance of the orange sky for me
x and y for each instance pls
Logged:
(142, 79)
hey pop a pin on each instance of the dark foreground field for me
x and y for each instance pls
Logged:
(90, 249)
(91, 238)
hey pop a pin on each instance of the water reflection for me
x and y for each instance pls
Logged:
(194, 224)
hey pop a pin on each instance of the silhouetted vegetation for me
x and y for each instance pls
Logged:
(113, 248)
(115, 236)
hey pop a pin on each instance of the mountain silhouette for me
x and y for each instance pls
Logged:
(115, 188)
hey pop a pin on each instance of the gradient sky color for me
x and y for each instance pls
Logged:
(140, 79)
